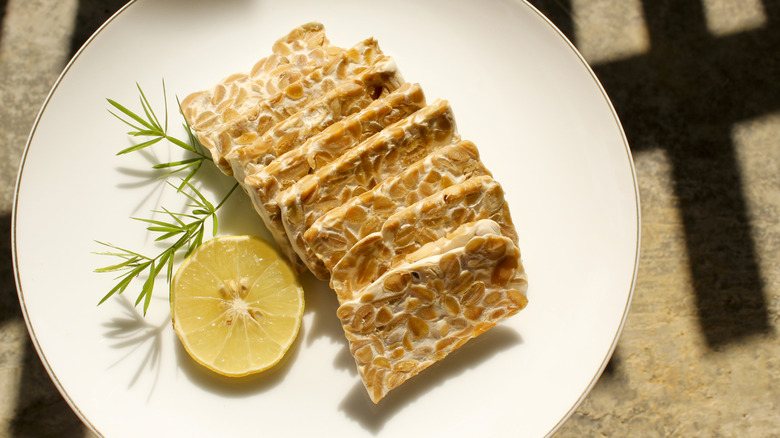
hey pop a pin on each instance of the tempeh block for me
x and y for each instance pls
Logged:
(244, 128)
(425, 221)
(264, 183)
(293, 56)
(361, 168)
(418, 313)
(348, 98)
(332, 235)
(362, 182)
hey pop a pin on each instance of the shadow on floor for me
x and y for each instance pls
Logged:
(684, 96)
(3, 6)
(90, 16)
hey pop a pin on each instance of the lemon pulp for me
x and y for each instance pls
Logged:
(236, 305)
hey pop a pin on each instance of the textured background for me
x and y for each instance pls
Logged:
(695, 83)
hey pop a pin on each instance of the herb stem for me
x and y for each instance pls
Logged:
(188, 227)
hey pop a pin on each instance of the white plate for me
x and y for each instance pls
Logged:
(520, 91)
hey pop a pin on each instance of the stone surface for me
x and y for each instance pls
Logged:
(695, 85)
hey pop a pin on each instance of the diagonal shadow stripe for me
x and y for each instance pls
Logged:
(560, 13)
(9, 304)
(684, 96)
(3, 7)
(91, 14)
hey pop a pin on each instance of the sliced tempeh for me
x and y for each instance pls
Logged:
(243, 129)
(349, 97)
(361, 168)
(363, 183)
(264, 183)
(332, 235)
(425, 221)
(250, 126)
(418, 313)
(293, 56)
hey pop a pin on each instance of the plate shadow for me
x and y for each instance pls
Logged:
(373, 417)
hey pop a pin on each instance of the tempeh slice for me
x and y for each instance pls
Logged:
(332, 235)
(425, 221)
(251, 125)
(418, 313)
(455, 239)
(333, 141)
(242, 129)
(264, 183)
(385, 154)
(293, 56)
(348, 98)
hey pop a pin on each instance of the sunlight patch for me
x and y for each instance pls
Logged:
(758, 156)
(727, 17)
(599, 40)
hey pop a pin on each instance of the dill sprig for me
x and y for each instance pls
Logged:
(150, 126)
(185, 230)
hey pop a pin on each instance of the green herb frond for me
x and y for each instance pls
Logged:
(146, 124)
(183, 231)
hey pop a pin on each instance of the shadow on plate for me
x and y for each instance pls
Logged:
(373, 417)
(322, 304)
(134, 334)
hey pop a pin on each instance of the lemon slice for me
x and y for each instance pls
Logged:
(236, 305)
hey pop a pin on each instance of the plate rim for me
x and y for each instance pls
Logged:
(629, 298)
(14, 211)
(637, 201)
